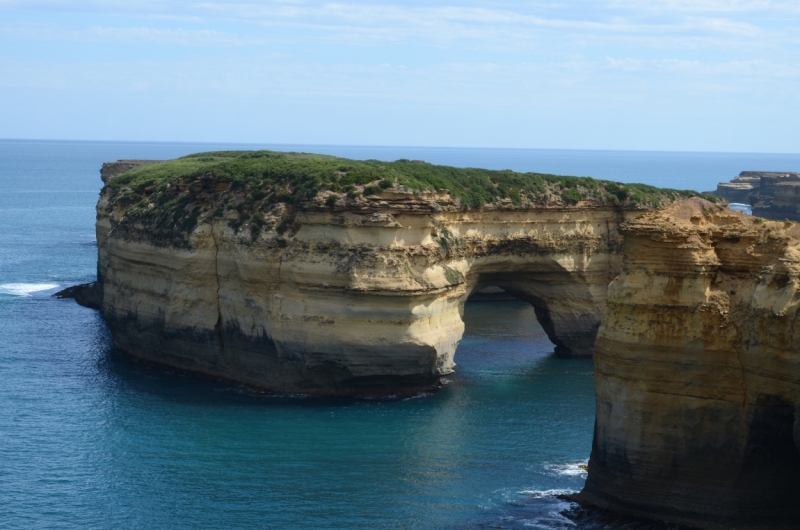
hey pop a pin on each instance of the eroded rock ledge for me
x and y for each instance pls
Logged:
(697, 368)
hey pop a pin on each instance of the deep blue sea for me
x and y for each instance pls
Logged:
(90, 439)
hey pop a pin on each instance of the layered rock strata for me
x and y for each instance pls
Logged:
(365, 299)
(773, 195)
(698, 372)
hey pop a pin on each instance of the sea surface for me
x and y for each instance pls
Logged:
(90, 439)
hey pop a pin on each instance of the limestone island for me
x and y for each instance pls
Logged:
(318, 275)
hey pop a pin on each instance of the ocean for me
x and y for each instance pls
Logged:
(91, 439)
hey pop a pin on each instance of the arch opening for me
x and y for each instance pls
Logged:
(569, 312)
(502, 339)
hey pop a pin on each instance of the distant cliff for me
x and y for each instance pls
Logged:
(113, 169)
(773, 195)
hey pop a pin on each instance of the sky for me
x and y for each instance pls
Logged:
(671, 75)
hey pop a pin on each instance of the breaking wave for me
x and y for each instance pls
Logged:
(25, 289)
(575, 469)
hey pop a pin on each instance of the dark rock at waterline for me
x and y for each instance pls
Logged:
(86, 294)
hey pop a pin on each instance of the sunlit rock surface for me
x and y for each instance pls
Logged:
(697, 366)
(361, 299)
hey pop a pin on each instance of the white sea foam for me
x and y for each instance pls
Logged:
(25, 289)
(417, 396)
(548, 523)
(540, 494)
(575, 469)
(739, 207)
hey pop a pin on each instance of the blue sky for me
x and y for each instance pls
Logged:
(697, 75)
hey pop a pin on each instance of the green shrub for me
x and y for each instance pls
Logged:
(572, 196)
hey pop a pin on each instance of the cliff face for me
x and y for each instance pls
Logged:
(773, 195)
(361, 299)
(113, 169)
(698, 373)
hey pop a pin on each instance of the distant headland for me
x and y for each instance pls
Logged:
(772, 194)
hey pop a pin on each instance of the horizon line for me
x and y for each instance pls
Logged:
(398, 146)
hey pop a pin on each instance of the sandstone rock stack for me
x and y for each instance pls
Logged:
(298, 273)
(697, 366)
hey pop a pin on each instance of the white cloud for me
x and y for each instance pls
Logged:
(554, 30)
(137, 35)
(708, 6)
(572, 56)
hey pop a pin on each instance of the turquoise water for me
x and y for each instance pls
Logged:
(90, 439)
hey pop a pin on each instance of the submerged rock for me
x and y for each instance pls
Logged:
(86, 294)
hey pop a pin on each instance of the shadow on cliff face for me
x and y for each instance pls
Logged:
(126, 373)
(504, 346)
(771, 464)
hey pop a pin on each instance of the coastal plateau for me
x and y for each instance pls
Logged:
(773, 195)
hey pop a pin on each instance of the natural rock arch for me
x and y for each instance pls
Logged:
(568, 311)
(697, 377)
(352, 302)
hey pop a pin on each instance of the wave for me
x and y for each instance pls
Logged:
(575, 469)
(541, 494)
(739, 207)
(25, 289)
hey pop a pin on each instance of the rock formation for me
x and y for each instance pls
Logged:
(282, 284)
(112, 169)
(698, 373)
(324, 276)
(773, 195)
(368, 299)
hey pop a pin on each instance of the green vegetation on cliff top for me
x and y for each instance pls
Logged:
(298, 177)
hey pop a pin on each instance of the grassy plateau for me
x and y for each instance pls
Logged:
(170, 196)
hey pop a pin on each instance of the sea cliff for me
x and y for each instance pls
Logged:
(303, 273)
(772, 195)
(317, 275)
(697, 372)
